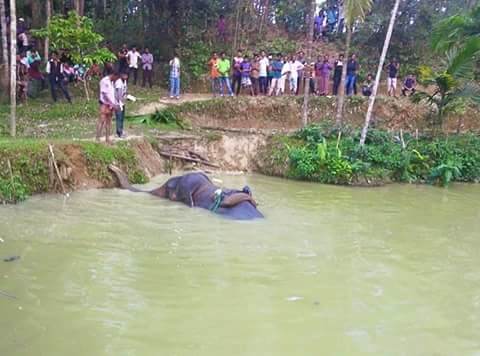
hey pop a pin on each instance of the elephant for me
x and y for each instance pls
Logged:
(197, 190)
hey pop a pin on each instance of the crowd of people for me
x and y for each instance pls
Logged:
(275, 75)
(328, 21)
(59, 70)
(259, 74)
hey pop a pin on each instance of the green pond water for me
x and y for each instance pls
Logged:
(330, 271)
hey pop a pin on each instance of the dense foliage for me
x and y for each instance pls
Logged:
(318, 154)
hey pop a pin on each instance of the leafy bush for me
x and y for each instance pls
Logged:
(324, 157)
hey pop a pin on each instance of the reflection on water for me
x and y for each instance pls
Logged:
(330, 271)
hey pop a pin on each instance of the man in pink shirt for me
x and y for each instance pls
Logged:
(108, 105)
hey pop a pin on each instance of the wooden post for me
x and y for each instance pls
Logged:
(13, 69)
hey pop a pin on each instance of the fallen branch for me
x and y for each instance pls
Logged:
(56, 169)
(189, 159)
(198, 155)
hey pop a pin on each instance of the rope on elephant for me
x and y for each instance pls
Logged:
(218, 200)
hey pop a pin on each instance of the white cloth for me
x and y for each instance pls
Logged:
(264, 63)
(107, 92)
(133, 58)
(392, 84)
(175, 68)
(23, 39)
(286, 69)
(121, 92)
(24, 61)
(295, 68)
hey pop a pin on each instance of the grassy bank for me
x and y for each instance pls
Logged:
(41, 118)
(284, 113)
(320, 154)
(27, 166)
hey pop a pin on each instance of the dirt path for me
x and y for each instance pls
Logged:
(164, 102)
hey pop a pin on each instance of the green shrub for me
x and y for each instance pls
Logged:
(324, 156)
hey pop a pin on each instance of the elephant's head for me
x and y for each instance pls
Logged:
(168, 190)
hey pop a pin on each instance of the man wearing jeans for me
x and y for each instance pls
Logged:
(352, 70)
(175, 78)
(223, 66)
(121, 97)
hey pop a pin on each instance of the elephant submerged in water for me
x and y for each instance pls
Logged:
(196, 190)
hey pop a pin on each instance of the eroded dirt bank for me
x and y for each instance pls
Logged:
(28, 168)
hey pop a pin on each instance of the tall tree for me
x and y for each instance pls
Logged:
(372, 98)
(311, 24)
(454, 31)
(48, 4)
(3, 23)
(79, 6)
(355, 10)
(13, 69)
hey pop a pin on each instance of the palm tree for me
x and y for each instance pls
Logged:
(306, 93)
(372, 98)
(454, 31)
(453, 83)
(13, 69)
(355, 10)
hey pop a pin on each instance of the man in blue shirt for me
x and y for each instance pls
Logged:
(276, 67)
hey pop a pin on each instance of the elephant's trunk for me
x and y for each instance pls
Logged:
(122, 178)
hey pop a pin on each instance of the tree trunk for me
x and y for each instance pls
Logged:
(13, 69)
(3, 23)
(76, 5)
(37, 13)
(237, 26)
(47, 40)
(264, 17)
(306, 93)
(341, 89)
(372, 98)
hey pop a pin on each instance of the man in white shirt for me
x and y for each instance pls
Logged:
(295, 68)
(263, 73)
(133, 58)
(121, 97)
(108, 105)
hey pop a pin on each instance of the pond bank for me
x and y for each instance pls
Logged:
(30, 167)
(36, 166)
(315, 154)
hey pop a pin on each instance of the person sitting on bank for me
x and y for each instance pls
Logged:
(409, 85)
(367, 87)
